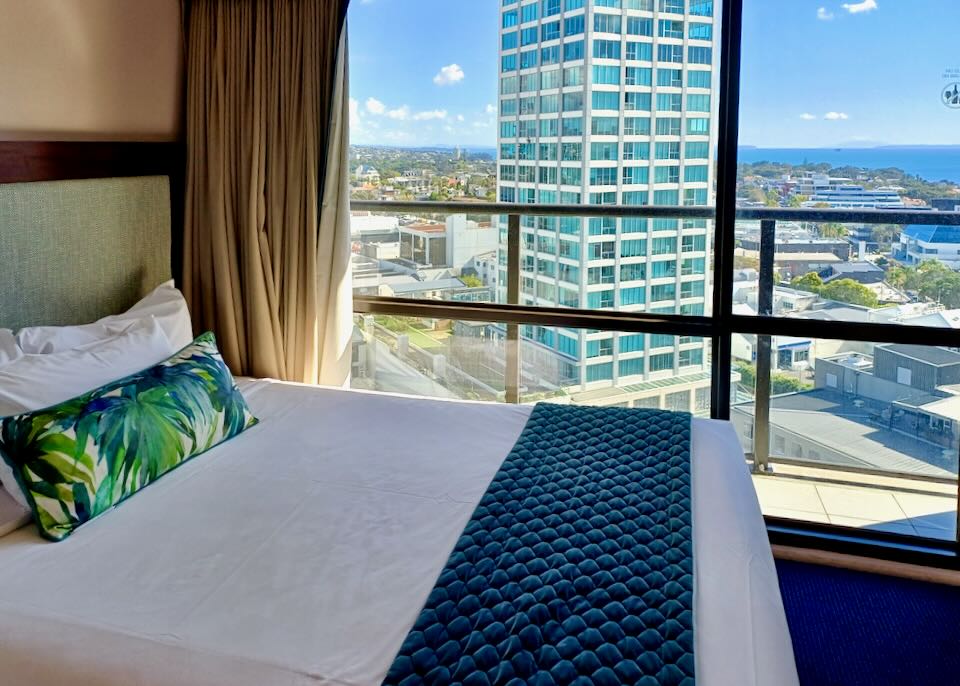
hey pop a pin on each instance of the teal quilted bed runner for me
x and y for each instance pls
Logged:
(577, 565)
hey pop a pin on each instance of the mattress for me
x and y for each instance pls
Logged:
(302, 551)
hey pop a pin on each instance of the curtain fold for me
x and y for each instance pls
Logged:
(266, 232)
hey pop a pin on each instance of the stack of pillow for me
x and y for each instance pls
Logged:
(70, 395)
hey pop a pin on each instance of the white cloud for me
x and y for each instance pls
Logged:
(449, 75)
(823, 14)
(836, 116)
(858, 7)
(491, 109)
(400, 114)
(806, 116)
(460, 117)
(374, 106)
(430, 114)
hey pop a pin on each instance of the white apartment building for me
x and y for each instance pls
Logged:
(608, 102)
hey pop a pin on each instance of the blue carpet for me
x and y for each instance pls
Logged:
(853, 629)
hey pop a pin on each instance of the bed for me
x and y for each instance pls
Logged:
(302, 551)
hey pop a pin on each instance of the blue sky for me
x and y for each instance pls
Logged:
(816, 73)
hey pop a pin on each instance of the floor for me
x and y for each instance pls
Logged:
(883, 504)
(856, 629)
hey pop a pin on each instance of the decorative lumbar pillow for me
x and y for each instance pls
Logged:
(78, 459)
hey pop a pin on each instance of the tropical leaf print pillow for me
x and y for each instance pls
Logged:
(78, 459)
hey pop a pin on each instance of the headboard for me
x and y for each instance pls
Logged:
(74, 251)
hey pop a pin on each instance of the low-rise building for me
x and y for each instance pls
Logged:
(919, 243)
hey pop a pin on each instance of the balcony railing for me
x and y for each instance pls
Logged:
(719, 326)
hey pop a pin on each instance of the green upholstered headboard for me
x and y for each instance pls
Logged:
(74, 251)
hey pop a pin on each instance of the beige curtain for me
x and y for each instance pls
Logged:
(266, 235)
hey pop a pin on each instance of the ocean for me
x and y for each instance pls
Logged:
(931, 163)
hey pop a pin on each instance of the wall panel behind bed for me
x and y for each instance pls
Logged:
(94, 244)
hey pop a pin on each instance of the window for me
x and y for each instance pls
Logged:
(633, 272)
(701, 8)
(699, 31)
(603, 151)
(635, 175)
(550, 79)
(606, 100)
(674, 6)
(508, 41)
(670, 53)
(636, 126)
(603, 176)
(698, 103)
(528, 13)
(699, 79)
(631, 367)
(698, 126)
(606, 49)
(550, 31)
(550, 55)
(509, 19)
(571, 152)
(605, 126)
(528, 36)
(572, 126)
(697, 151)
(508, 107)
(668, 151)
(636, 101)
(549, 104)
(699, 55)
(607, 75)
(695, 173)
(672, 78)
(573, 26)
(599, 372)
(638, 26)
(669, 102)
(660, 362)
(668, 126)
(606, 23)
(669, 174)
(573, 76)
(572, 101)
(550, 7)
(638, 76)
(669, 28)
(636, 151)
(640, 51)
(508, 63)
(573, 51)
(528, 59)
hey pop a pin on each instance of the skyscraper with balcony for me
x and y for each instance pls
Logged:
(608, 102)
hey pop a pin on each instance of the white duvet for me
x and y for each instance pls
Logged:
(302, 551)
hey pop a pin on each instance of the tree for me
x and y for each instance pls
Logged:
(833, 230)
(471, 280)
(746, 262)
(773, 198)
(810, 282)
(797, 200)
(885, 234)
(849, 291)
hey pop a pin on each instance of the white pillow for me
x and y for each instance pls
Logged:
(165, 303)
(37, 381)
(9, 349)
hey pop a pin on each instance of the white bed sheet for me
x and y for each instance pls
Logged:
(302, 551)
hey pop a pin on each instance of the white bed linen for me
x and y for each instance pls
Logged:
(302, 551)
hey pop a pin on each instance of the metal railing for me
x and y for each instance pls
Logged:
(718, 326)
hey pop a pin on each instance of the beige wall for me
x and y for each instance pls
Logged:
(90, 69)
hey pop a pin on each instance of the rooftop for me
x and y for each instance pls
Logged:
(933, 234)
(940, 357)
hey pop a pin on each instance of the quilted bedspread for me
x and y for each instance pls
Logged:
(577, 565)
